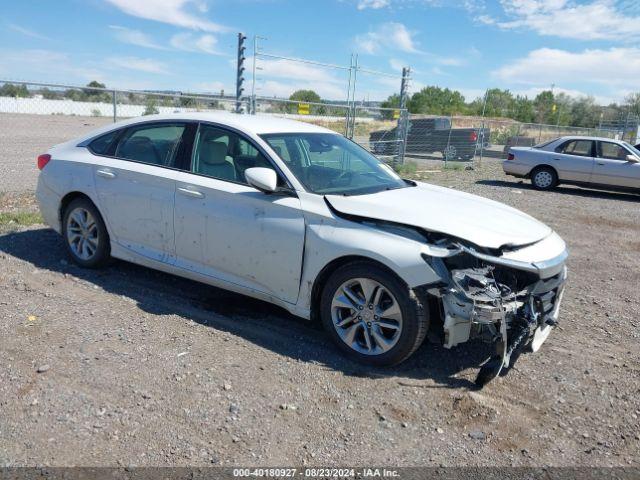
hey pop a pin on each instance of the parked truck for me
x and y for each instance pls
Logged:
(430, 135)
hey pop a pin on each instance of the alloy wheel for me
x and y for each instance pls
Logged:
(366, 316)
(82, 233)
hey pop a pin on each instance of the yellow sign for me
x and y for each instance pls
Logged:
(553, 109)
(396, 114)
(303, 108)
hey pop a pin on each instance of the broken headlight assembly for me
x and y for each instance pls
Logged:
(483, 295)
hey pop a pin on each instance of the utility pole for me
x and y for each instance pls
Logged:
(403, 119)
(240, 72)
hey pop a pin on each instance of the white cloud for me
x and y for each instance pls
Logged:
(288, 69)
(594, 20)
(193, 43)
(373, 4)
(134, 37)
(615, 71)
(44, 66)
(139, 64)
(397, 64)
(26, 32)
(174, 12)
(387, 35)
(282, 77)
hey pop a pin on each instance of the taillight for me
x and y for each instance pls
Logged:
(474, 136)
(43, 160)
(511, 156)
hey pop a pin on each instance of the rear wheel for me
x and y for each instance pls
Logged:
(372, 315)
(544, 178)
(450, 152)
(85, 234)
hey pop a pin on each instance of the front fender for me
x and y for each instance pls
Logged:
(329, 241)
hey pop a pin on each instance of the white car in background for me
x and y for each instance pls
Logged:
(300, 216)
(585, 161)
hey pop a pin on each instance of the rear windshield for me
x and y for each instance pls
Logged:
(544, 144)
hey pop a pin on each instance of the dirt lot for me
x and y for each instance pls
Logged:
(127, 366)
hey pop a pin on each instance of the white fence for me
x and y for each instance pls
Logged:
(41, 106)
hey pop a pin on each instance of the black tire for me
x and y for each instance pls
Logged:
(415, 319)
(102, 253)
(544, 178)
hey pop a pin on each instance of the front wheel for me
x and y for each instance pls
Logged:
(372, 315)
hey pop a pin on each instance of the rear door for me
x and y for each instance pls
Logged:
(136, 189)
(574, 160)
(612, 167)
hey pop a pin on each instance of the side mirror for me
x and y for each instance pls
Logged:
(264, 179)
(632, 159)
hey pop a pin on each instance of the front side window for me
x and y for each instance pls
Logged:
(327, 163)
(613, 151)
(153, 144)
(224, 155)
(582, 148)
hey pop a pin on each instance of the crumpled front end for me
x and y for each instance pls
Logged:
(511, 300)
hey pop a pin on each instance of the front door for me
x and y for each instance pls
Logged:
(136, 191)
(230, 231)
(613, 168)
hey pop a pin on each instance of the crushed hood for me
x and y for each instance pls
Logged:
(476, 219)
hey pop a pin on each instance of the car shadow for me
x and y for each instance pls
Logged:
(261, 323)
(567, 190)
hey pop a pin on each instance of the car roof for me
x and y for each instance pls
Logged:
(584, 137)
(249, 124)
(256, 124)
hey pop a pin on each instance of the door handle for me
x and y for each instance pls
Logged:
(600, 163)
(190, 193)
(106, 173)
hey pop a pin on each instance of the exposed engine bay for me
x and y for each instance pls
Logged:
(511, 308)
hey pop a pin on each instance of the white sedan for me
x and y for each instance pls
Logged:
(302, 217)
(584, 161)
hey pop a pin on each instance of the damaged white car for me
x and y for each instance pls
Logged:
(302, 217)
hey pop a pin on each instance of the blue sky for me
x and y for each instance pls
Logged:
(583, 47)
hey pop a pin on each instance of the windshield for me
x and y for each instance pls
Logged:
(632, 148)
(327, 163)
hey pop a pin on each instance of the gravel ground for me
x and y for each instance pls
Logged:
(127, 366)
(24, 137)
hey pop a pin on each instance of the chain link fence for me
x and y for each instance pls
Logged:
(56, 113)
(471, 139)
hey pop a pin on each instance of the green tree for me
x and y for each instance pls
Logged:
(585, 112)
(49, 94)
(437, 101)
(523, 110)
(500, 103)
(393, 101)
(632, 103)
(96, 95)
(150, 107)
(11, 90)
(543, 104)
(304, 96)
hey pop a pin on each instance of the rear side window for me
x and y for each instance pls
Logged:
(582, 148)
(153, 144)
(101, 145)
